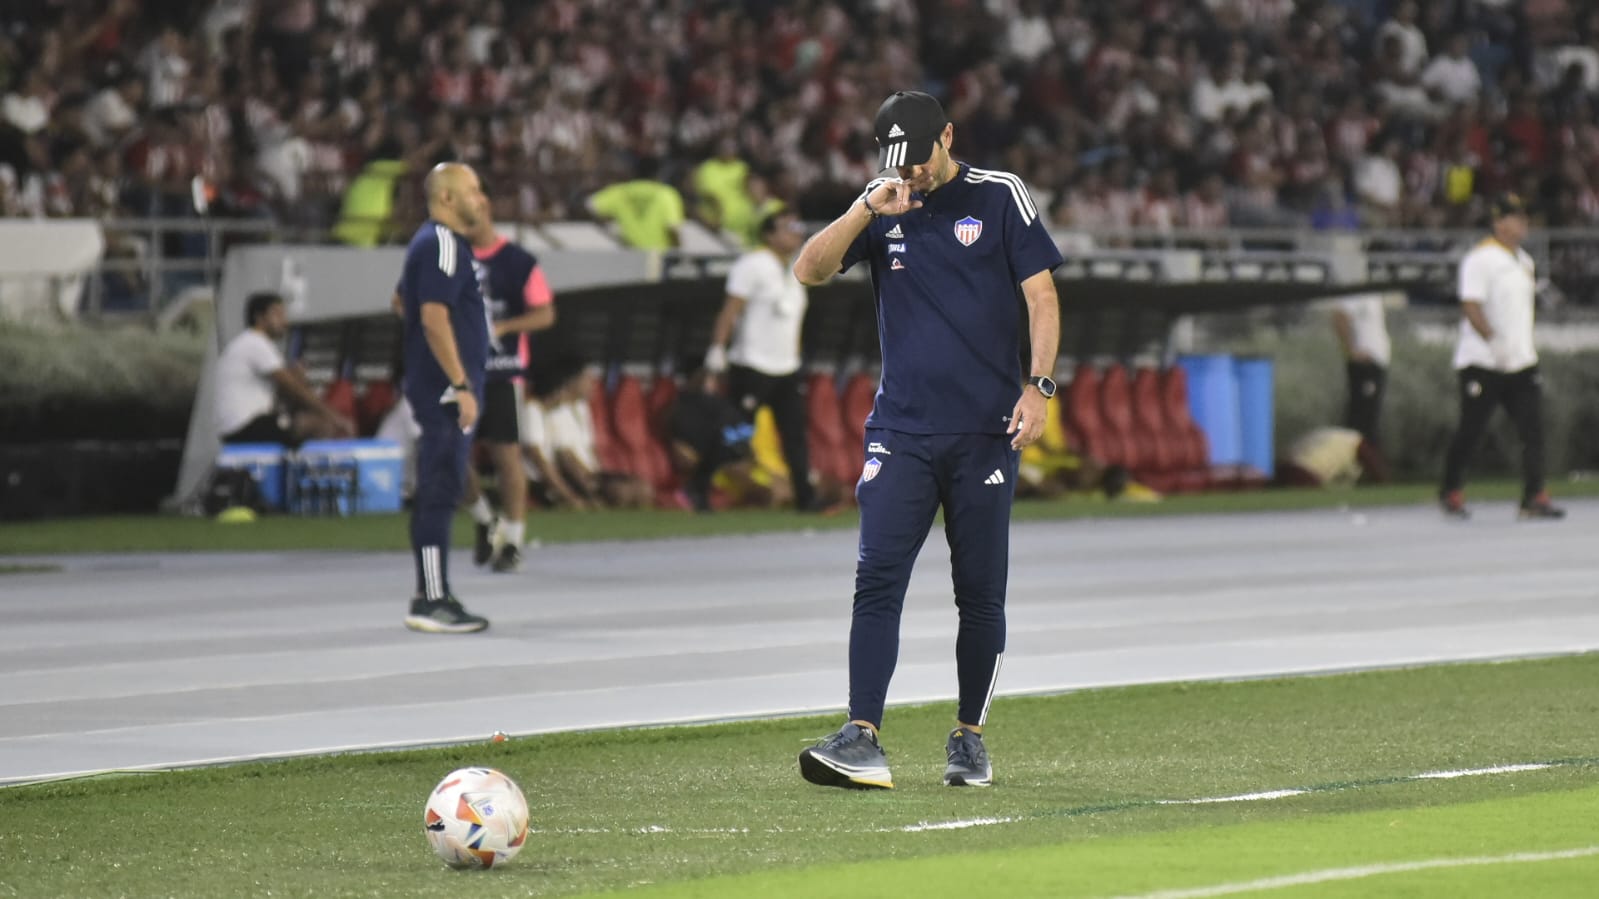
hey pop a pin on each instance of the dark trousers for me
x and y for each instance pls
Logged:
(1366, 383)
(1481, 392)
(441, 457)
(749, 390)
(906, 479)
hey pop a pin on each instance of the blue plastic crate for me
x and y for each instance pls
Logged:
(346, 477)
(266, 462)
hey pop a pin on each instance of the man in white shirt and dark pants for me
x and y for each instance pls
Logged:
(1363, 333)
(250, 376)
(1495, 360)
(762, 317)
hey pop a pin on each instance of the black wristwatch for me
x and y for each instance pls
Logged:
(1045, 385)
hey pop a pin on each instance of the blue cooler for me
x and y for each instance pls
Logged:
(264, 462)
(1255, 413)
(346, 477)
(1213, 402)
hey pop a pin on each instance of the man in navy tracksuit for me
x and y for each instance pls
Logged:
(948, 246)
(446, 347)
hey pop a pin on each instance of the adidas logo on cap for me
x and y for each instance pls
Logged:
(895, 131)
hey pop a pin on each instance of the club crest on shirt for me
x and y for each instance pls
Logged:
(967, 230)
(896, 265)
(870, 470)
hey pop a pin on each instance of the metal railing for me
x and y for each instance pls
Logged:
(150, 262)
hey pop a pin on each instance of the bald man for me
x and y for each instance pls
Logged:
(446, 350)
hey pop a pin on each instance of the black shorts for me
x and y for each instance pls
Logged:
(262, 429)
(501, 420)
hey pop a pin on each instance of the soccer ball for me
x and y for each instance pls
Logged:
(476, 818)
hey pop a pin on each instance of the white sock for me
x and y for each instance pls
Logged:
(510, 532)
(481, 513)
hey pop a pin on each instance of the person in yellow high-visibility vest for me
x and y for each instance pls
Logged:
(365, 218)
(647, 211)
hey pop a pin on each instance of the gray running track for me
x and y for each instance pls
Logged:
(153, 661)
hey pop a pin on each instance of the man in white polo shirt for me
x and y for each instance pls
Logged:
(1495, 360)
(251, 376)
(1362, 331)
(762, 317)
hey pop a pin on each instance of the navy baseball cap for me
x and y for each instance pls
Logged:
(1506, 204)
(908, 125)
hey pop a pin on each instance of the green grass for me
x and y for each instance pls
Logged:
(720, 810)
(388, 532)
(1353, 855)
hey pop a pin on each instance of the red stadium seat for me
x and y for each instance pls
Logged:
(1163, 455)
(856, 405)
(832, 453)
(340, 397)
(663, 394)
(1188, 441)
(1116, 412)
(634, 433)
(1084, 422)
(377, 398)
(609, 450)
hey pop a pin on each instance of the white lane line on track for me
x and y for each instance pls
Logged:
(1331, 874)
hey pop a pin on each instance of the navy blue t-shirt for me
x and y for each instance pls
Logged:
(439, 268)
(946, 277)
(505, 273)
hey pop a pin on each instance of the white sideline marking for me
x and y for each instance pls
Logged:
(1332, 874)
(961, 824)
(954, 825)
(1245, 797)
(1478, 772)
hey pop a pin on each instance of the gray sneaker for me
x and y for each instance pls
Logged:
(968, 760)
(850, 758)
(443, 616)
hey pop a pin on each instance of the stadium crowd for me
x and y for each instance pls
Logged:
(1154, 113)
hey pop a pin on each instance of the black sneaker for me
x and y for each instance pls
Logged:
(482, 546)
(850, 758)
(443, 616)
(968, 760)
(508, 559)
(1453, 504)
(1539, 508)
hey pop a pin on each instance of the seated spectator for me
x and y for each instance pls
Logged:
(1330, 457)
(1380, 185)
(711, 448)
(252, 378)
(558, 444)
(1403, 32)
(1051, 468)
(1453, 77)
(1332, 210)
(300, 100)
